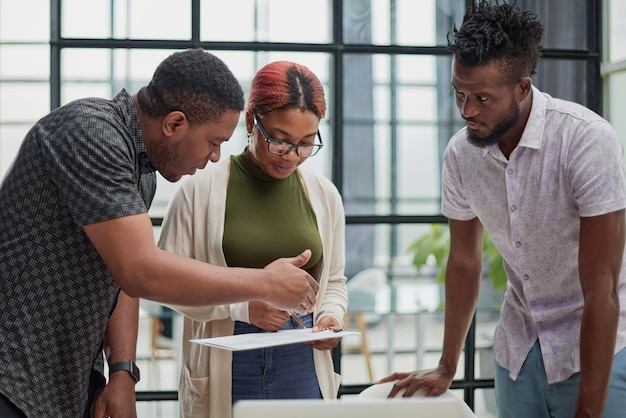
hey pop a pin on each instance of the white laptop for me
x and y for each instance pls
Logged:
(350, 408)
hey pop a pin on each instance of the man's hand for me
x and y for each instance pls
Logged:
(431, 382)
(266, 317)
(117, 399)
(327, 322)
(291, 288)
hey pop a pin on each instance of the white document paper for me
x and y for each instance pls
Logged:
(270, 339)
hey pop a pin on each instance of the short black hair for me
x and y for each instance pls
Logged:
(194, 82)
(498, 32)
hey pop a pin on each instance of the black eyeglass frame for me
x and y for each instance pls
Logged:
(289, 145)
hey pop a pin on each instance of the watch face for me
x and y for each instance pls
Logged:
(135, 371)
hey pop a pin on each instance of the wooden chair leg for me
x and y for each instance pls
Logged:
(363, 346)
(362, 327)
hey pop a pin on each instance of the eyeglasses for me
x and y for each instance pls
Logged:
(278, 147)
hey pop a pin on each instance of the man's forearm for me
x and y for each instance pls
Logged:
(461, 296)
(121, 333)
(597, 349)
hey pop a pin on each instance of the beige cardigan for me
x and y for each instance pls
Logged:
(193, 227)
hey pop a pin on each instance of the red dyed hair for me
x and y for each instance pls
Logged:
(285, 84)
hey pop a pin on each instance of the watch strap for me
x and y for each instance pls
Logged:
(128, 366)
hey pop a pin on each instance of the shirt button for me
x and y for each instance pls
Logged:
(518, 244)
(526, 277)
(540, 323)
(533, 304)
(513, 208)
(509, 171)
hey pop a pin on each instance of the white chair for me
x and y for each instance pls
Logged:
(364, 290)
(381, 391)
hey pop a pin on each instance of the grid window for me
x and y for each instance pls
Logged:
(386, 72)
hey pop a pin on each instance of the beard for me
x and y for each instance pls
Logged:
(508, 121)
(166, 158)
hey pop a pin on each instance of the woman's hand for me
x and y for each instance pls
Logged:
(327, 322)
(266, 317)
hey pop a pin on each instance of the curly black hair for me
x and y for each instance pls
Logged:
(194, 82)
(498, 32)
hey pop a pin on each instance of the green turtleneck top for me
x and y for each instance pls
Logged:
(267, 218)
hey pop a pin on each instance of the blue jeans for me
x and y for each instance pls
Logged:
(8, 409)
(531, 395)
(282, 372)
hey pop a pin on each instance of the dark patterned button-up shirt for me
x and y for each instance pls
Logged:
(81, 164)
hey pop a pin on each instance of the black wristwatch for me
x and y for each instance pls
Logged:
(129, 366)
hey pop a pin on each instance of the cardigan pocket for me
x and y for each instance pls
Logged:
(193, 395)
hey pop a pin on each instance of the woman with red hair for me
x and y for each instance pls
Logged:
(246, 211)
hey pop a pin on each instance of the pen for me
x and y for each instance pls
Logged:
(297, 320)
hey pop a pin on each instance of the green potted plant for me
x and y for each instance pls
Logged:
(433, 247)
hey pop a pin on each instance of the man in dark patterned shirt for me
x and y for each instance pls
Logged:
(75, 230)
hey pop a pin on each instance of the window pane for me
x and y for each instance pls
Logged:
(157, 408)
(616, 102)
(416, 69)
(25, 20)
(86, 19)
(401, 22)
(417, 103)
(25, 62)
(152, 19)
(415, 168)
(417, 171)
(392, 133)
(565, 79)
(415, 22)
(11, 137)
(264, 20)
(126, 19)
(564, 22)
(23, 102)
(85, 64)
(617, 30)
(485, 403)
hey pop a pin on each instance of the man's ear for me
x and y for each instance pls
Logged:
(523, 88)
(174, 124)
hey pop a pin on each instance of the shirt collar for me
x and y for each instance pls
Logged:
(532, 137)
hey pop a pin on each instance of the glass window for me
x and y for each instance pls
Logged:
(10, 140)
(23, 102)
(564, 79)
(417, 171)
(126, 19)
(564, 22)
(290, 21)
(400, 22)
(616, 83)
(82, 19)
(391, 134)
(616, 15)
(25, 62)
(18, 25)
